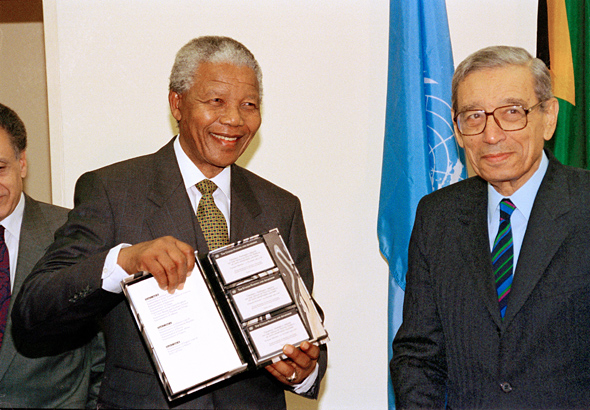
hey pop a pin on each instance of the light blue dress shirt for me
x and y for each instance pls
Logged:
(523, 199)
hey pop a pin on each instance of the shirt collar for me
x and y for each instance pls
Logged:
(191, 174)
(524, 197)
(12, 223)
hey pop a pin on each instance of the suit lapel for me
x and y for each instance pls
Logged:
(244, 207)
(472, 213)
(173, 213)
(33, 235)
(551, 203)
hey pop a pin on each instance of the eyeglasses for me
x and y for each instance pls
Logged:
(508, 118)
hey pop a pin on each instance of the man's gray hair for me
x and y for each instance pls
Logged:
(15, 128)
(209, 49)
(502, 56)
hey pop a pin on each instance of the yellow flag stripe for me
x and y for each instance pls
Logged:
(560, 52)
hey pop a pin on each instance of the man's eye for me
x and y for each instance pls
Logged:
(513, 113)
(474, 116)
(250, 105)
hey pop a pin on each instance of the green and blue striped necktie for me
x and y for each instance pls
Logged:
(503, 255)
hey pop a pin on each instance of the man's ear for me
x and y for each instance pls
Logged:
(174, 99)
(23, 163)
(550, 117)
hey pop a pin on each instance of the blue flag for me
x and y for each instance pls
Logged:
(420, 153)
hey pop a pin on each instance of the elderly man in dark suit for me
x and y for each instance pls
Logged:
(143, 215)
(51, 373)
(497, 308)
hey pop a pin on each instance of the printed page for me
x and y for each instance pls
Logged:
(260, 297)
(187, 333)
(270, 336)
(243, 261)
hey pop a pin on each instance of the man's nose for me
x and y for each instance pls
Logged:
(493, 133)
(232, 116)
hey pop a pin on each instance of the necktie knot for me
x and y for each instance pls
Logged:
(206, 186)
(507, 207)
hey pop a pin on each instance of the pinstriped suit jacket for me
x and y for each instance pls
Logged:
(453, 346)
(135, 201)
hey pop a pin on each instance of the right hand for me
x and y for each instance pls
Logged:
(169, 260)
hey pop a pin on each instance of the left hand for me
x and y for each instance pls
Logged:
(298, 365)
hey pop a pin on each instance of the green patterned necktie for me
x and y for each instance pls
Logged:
(210, 218)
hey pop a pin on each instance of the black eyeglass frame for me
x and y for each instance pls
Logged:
(485, 124)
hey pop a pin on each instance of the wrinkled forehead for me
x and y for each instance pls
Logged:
(493, 87)
(226, 74)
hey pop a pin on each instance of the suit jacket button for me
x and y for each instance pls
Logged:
(506, 387)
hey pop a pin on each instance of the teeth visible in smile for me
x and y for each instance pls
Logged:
(221, 137)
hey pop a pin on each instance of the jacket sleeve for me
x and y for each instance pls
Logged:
(64, 289)
(418, 367)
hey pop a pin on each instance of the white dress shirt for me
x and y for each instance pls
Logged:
(12, 224)
(192, 175)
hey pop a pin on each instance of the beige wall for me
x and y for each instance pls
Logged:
(23, 86)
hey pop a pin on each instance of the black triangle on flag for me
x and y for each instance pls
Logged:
(543, 34)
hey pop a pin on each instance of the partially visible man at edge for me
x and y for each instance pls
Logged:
(47, 373)
(497, 308)
(150, 203)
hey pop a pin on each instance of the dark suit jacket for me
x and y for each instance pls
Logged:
(44, 374)
(453, 345)
(140, 200)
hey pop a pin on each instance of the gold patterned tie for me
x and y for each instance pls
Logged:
(210, 218)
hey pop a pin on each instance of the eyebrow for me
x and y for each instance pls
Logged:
(503, 103)
(515, 101)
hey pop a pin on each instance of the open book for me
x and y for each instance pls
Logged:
(239, 307)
